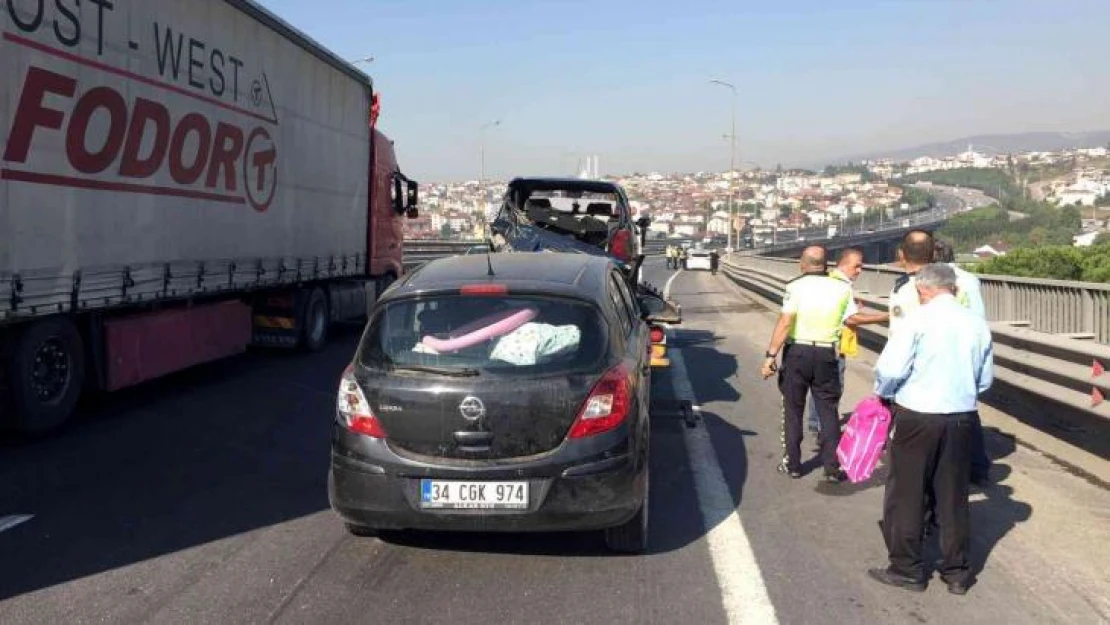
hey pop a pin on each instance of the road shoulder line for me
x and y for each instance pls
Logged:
(743, 590)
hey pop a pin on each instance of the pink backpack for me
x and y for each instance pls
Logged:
(863, 439)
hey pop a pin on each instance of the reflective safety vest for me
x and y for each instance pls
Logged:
(820, 304)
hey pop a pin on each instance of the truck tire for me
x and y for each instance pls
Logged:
(46, 374)
(315, 319)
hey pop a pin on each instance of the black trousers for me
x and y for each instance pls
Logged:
(806, 368)
(980, 461)
(929, 453)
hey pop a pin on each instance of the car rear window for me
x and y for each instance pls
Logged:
(502, 334)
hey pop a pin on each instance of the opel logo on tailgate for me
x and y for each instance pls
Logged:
(472, 409)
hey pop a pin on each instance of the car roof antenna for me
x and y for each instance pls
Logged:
(489, 262)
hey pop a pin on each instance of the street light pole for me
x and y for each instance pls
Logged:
(482, 160)
(732, 158)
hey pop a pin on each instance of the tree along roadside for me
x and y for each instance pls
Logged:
(1057, 262)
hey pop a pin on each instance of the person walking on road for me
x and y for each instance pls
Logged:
(814, 307)
(848, 267)
(969, 294)
(714, 261)
(931, 372)
(670, 257)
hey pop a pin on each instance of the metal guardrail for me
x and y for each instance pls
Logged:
(1075, 309)
(1053, 367)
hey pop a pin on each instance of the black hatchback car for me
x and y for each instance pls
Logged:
(503, 392)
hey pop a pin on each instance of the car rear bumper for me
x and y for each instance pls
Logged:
(697, 264)
(593, 495)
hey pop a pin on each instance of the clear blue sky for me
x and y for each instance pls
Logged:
(627, 79)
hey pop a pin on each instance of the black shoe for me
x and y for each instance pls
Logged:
(793, 473)
(836, 478)
(958, 587)
(884, 576)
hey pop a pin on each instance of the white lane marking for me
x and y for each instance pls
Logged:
(10, 521)
(667, 287)
(743, 591)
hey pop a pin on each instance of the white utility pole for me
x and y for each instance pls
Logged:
(732, 158)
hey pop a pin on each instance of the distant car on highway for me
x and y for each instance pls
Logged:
(511, 401)
(698, 259)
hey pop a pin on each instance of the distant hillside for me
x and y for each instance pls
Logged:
(991, 144)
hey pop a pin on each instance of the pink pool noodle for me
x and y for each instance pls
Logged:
(499, 324)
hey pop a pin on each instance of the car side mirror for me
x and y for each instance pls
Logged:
(655, 309)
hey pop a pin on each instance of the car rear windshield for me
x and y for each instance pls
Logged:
(502, 334)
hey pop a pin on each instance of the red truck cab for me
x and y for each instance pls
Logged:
(393, 198)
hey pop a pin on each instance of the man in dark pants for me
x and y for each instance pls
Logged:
(932, 371)
(814, 307)
(969, 294)
(714, 261)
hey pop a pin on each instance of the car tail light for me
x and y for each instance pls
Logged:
(621, 245)
(607, 406)
(352, 409)
(657, 334)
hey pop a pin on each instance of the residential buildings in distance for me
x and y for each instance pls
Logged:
(697, 205)
(688, 205)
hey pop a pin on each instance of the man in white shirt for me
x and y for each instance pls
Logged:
(917, 251)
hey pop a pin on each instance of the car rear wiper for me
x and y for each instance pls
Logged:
(458, 372)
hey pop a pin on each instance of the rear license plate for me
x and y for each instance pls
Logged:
(473, 495)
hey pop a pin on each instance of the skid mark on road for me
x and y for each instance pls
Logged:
(743, 591)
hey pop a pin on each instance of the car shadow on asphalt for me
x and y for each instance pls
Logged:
(199, 456)
(709, 369)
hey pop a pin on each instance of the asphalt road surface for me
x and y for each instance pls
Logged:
(201, 498)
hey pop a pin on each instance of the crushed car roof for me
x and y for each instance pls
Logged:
(558, 184)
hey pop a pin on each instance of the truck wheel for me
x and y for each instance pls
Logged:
(315, 321)
(47, 370)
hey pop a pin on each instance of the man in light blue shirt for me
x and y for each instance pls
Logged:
(932, 372)
(969, 293)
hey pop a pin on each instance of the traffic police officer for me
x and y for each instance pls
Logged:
(814, 308)
(917, 251)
